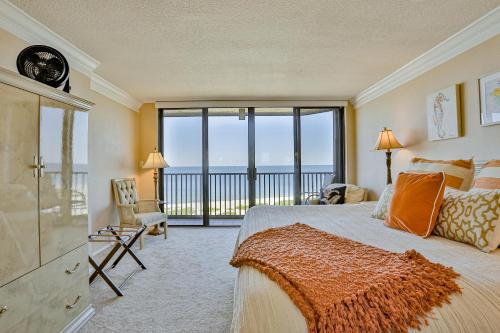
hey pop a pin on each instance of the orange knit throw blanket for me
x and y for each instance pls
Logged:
(344, 286)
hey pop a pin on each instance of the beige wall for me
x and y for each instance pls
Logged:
(148, 124)
(113, 153)
(350, 144)
(113, 133)
(404, 111)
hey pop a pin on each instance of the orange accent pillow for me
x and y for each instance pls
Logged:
(416, 202)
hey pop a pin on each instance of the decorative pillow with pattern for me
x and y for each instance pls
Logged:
(380, 211)
(459, 173)
(471, 217)
(332, 195)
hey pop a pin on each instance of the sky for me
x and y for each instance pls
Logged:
(228, 140)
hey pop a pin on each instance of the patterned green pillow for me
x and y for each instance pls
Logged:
(380, 211)
(471, 217)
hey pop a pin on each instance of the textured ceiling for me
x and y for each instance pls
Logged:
(279, 49)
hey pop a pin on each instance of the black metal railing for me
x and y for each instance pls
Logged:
(228, 192)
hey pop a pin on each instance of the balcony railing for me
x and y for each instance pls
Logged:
(228, 192)
(52, 188)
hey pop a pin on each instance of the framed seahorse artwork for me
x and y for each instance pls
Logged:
(444, 120)
(489, 94)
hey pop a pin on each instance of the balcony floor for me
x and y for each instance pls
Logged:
(213, 222)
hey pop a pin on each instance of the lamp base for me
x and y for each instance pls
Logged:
(388, 163)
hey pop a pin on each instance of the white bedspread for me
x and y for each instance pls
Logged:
(261, 306)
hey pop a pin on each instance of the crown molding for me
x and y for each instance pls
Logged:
(248, 103)
(486, 27)
(20, 24)
(103, 87)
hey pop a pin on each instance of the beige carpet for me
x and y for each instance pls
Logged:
(187, 287)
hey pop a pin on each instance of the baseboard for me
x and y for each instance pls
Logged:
(77, 323)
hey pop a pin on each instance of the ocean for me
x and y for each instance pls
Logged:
(243, 169)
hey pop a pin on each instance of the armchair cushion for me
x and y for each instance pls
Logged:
(149, 218)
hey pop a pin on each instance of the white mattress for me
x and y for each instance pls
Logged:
(261, 306)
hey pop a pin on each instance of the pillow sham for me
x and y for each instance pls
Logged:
(489, 176)
(415, 203)
(380, 211)
(471, 217)
(332, 195)
(459, 173)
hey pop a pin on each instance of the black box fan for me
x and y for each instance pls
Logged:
(44, 64)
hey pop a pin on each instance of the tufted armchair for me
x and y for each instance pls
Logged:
(134, 212)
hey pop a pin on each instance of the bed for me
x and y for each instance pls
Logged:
(261, 306)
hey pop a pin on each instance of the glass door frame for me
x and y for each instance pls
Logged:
(251, 169)
(338, 146)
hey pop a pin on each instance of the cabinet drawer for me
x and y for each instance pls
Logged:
(21, 300)
(65, 304)
(37, 301)
(66, 289)
(62, 272)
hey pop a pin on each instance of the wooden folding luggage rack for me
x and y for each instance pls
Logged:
(122, 238)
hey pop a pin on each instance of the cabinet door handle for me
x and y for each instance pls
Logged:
(69, 307)
(3, 309)
(34, 166)
(71, 271)
(41, 166)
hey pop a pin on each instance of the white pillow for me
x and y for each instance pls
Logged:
(382, 207)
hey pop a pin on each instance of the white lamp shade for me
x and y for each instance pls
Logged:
(387, 140)
(155, 161)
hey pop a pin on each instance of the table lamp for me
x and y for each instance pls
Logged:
(155, 161)
(387, 141)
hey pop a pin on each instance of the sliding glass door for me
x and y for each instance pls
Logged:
(227, 165)
(226, 160)
(317, 150)
(274, 157)
(182, 182)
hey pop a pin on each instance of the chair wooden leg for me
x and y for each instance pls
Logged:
(165, 229)
(141, 242)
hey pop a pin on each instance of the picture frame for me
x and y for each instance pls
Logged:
(489, 99)
(444, 117)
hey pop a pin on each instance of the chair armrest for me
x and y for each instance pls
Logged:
(148, 206)
(127, 214)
